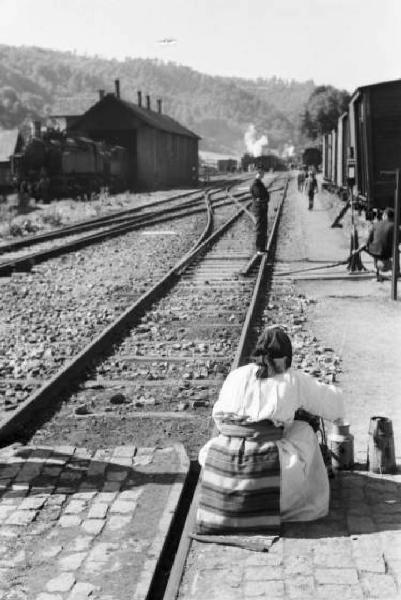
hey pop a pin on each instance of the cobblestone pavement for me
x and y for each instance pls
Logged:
(77, 525)
(355, 552)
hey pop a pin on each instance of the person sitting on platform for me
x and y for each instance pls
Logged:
(265, 467)
(379, 243)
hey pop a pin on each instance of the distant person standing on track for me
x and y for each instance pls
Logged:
(260, 206)
(310, 189)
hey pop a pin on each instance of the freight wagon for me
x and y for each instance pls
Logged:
(366, 145)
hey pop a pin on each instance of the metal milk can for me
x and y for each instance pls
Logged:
(381, 452)
(341, 444)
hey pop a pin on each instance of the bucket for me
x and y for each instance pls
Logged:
(341, 444)
(381, 453)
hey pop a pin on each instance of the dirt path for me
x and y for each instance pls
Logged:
(356, 317)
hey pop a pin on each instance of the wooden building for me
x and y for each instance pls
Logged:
(162, 152)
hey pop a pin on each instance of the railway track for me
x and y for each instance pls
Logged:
(151, 377)
(87, 224)
(246, 343)
(114, 217)
(106, 228)
(188, 281)
(52, 312)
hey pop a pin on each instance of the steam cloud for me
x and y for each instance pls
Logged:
(288, 151)
(253, 144)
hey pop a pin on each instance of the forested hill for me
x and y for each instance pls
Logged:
(219, 109)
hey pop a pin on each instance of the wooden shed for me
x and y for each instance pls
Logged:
(163, 153)
(375, 134)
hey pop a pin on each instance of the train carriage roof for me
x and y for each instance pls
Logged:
(370, 86)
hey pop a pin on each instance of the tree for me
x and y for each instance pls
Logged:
(324, 107)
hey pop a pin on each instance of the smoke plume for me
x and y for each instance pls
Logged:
(253, 144)
(288, 151)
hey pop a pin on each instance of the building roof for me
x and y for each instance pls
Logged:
(139, 113)
(8, 143)
(73, 106)
(158, 120)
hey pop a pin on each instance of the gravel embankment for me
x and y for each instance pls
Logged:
(169, 366)
(51, 313)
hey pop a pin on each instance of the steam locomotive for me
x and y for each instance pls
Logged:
(71, 165)
(266, 162)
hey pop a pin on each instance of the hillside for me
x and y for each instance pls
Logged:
(219, 109)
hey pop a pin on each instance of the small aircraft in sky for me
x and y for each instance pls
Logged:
(167, 41)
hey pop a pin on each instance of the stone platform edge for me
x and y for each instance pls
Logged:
(148, 572)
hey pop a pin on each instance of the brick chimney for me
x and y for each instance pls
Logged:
(117, 88)
(148, 102)
(101, 94)
(159, 105)
(139, 98)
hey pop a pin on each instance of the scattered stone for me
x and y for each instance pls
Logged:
(62, 583)
(199, 403)
(83, 409)
(51, 551)
(117, 399)
(81, 591)
(72, 562)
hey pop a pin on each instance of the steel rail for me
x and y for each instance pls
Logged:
(29, 260)
(86, 224)
(177, 571)
(104, 220)
(42, 398)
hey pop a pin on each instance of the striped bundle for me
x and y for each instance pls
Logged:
(240, 484)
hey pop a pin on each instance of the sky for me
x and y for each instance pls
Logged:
(345, 43)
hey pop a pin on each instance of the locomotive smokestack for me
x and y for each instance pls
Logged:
(148, 102)
(101, 94)
(139, 98)
(117, 87)
(159, 105)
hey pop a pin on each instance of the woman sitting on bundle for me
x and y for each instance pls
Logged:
(264, 466)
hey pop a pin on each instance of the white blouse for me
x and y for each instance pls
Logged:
(277, 398)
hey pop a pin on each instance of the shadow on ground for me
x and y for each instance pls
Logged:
(361, 503)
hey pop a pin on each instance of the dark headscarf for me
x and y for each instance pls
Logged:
(273, 343)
